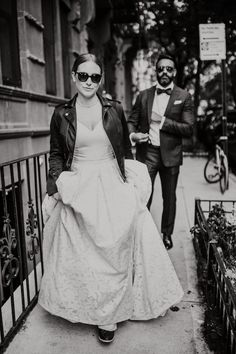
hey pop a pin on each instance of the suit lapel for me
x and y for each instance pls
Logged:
(150, 100)
(173, 97)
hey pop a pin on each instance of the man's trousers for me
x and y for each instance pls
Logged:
(169, 178)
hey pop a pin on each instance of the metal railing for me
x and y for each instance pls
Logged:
(22, 187)
(219, 288)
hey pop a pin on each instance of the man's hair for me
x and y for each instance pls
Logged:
(83, 58)
(166, 56)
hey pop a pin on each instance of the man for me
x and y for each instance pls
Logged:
(161, 117)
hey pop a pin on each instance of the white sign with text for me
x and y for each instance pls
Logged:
(212, 41)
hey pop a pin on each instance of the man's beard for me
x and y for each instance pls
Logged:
(167, 81)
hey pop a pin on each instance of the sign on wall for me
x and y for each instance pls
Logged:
(212, 41)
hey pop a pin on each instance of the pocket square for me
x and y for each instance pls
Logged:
(177, 102)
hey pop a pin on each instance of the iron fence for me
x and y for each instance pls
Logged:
(219, 288)
(22, 188)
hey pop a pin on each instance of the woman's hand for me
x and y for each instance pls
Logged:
(56, 196)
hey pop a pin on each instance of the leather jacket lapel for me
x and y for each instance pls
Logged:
(70, 112)
(105, 105)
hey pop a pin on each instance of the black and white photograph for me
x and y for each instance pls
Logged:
(117, 177)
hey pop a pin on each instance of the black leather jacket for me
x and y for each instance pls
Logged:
(63, 134)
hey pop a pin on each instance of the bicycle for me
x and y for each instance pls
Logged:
(217, 167)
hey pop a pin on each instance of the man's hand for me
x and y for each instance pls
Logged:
(139, 138)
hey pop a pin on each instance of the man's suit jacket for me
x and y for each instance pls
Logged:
(178, 124)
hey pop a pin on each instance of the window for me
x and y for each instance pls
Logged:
(65, 43)
(9, 47)
(48, 13)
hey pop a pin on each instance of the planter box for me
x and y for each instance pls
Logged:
(224, 294)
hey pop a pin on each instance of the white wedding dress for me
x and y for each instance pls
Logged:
(104, 259)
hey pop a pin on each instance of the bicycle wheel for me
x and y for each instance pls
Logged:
(224, 169)
(211, 172)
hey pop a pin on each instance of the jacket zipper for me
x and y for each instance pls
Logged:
(67, 129)
(114, 151)
(67, 162)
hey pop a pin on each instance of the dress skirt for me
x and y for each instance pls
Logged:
(105, 261)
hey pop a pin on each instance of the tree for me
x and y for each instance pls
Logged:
(173, 27)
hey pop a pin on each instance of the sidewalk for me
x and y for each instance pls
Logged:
(176, 333)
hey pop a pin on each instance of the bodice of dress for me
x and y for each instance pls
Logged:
(91, 145)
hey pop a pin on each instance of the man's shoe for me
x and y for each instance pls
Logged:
(167, 242)
(105, 336)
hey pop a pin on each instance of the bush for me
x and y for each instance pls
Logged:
(223, 230)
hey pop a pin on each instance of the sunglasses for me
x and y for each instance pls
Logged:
(169, 69)
(83, 77)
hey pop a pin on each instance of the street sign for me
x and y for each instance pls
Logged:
(212, 41)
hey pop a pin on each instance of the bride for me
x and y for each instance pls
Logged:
(105, 261)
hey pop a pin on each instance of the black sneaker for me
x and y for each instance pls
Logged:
(105, 336)
(167, 240)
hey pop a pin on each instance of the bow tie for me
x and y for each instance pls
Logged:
(167, 91)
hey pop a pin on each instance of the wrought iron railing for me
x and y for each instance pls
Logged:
(22, 188)
(218, 285)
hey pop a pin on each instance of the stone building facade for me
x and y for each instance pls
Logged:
(39, 41)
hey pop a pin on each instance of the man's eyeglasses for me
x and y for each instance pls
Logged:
(83, 77)
(169, 69)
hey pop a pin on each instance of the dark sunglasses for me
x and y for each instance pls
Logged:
(83, 77)
(169, 69)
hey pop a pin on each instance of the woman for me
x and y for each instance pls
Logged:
(104, 259)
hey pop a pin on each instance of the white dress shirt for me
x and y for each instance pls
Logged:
(160, 103)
